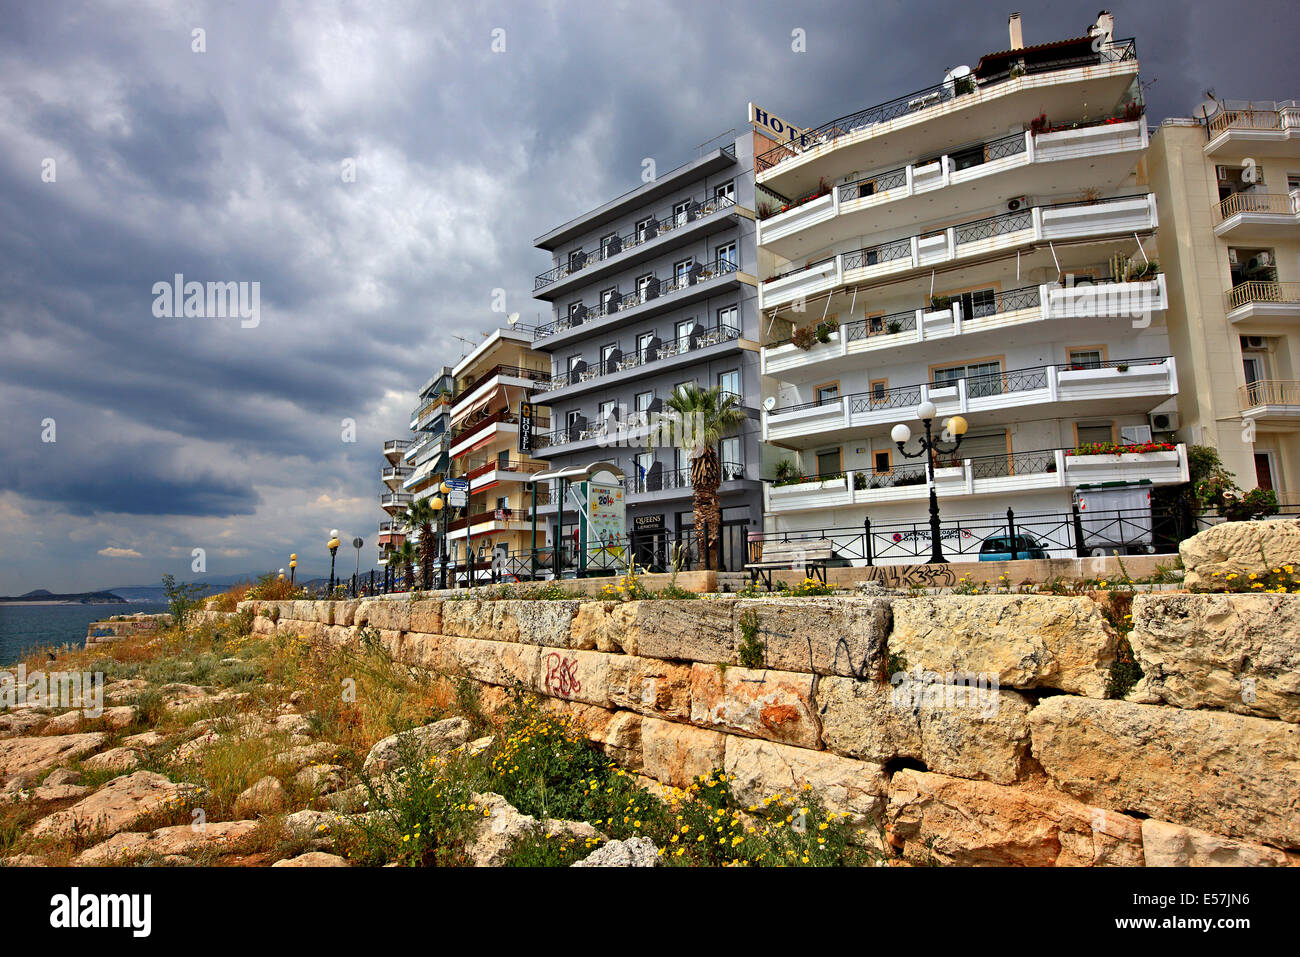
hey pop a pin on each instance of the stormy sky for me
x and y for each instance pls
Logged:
(129, 156)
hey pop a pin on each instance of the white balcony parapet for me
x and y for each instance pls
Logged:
(1005, 232)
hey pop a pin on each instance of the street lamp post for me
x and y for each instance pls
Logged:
(440, 504)
(356, 574)
(929, 446)
(333, 546)
(293, 568)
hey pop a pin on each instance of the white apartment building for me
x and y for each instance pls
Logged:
(988, 245)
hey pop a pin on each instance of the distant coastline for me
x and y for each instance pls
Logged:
(43, 597)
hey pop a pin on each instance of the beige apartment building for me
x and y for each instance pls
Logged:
(490, 384)
(1227, 185)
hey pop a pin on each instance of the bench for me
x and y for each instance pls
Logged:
(812, 555)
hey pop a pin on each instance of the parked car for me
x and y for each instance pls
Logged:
(997, 548)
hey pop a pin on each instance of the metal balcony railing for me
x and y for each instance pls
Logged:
(678, 478)
(515, 372)
(659, 224)
(1269, 392)
(986, 384)
(1263, 292)
(1241, 115)
(654, 288)
(622, 423)
(394, 499)
(397, 445)
(646, 356)
(939, 94)
(1285, 203)
(964, 233)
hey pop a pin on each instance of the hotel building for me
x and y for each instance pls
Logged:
(484, 445)
(650, 291)
(987, 245)
(1228, 187)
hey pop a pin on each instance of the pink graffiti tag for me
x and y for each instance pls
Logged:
(562, 676)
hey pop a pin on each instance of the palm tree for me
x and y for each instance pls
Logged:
(703, 417)
(404, 555)
(421, 516)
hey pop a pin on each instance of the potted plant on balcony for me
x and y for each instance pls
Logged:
(804, 337)
(1038, 124)
(940, 303)
(893, 327)
(826, 328)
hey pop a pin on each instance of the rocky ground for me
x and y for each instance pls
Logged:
(220, 747)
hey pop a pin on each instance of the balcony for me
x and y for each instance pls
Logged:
(1101, 153)
(1263, 300)
(1271, 402)
(982, 475)
(1260, 128)
(1051, 81)
(665, 231)
(394, 502)
(1115, 387)
(395, 449)
(622, 429)
(1258, 215)
(1003, 233)
(1103, 299)
(394, 475)
(657, 294)
(660, 483)
(438, 405)
(618, 367)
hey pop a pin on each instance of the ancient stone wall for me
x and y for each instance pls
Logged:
(959, 729)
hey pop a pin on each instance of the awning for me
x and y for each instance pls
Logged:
(577, 473)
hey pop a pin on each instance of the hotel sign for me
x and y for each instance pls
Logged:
(525, 428)
(775, 128)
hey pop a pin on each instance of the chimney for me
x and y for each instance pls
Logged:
(1105, 25)
(1013, 27)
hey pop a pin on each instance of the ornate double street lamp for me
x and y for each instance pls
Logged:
(293, 568)
(333, 546)
(930, 446)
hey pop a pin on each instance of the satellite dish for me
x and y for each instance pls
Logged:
(512, 318)
(956, 73)
(769, 403)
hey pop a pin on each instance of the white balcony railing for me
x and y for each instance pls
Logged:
(1002, 233)
(983, 475)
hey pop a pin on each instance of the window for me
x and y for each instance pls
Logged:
(730, 382)
(682, 386)
(571, 423)
(729, 317)
(727, 256)
(1085, 358)
(981, 378)
(875, 325)
(644, 460)
(729, 452)
(879, 390)
(608, 300)
(1095, 432)
(577, 258)
(978, 303)
(573, 362)
(828, 462)
(607, 410)
(503, 458)
(605, 242)
(643, 228)
(828, 393)
(643, 346)
(682, 270)
(643, 400)
(882, 462)
(684, 328)
(725, 191)
(642, 282)
(605, 355)
(679, 212)
(683, 459)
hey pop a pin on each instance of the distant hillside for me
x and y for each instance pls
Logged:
(84, 597)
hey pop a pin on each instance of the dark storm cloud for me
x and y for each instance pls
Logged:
(225, 166)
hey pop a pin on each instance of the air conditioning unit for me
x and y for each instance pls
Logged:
(1253, 342)
(1134, 434)
(1164, 421)
(1017, 203)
